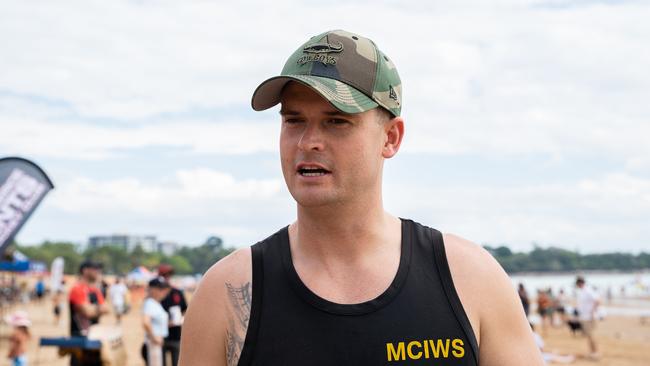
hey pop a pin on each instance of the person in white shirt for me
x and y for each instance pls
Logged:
(587, 305)
(155, 320)
(117, 293)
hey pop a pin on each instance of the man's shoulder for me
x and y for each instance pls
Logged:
(174, 297)
(78, 294)
(470, 262)
(464, 255)
(242, 257)
(150, 306)
(204, 327)
(78, 289)
(234, 268)
(477, 276)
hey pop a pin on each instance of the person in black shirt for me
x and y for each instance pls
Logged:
(175, 305)
(348, 283)
(523, 296)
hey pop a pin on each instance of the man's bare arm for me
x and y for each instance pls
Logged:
(492, 305)
(93, 310)
(239, 300)
(216, 320)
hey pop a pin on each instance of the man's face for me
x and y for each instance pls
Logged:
(158, 293)
(91, 274)
(328, 157)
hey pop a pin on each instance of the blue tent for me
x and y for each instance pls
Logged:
(14, 266)
(19, 263)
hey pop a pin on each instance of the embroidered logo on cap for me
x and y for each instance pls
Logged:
(323, 48)
(391, 93)
(318, 53)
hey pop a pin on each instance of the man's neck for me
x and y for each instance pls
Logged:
(343, 232)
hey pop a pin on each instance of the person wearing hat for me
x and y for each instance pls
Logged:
(348, 283)
(87, 305)
(175, 306)
(155, 320)
(19, 337)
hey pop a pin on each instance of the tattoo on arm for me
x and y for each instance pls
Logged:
(240, 303)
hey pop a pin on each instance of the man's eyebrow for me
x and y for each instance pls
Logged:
(336, 113)
(284, 112)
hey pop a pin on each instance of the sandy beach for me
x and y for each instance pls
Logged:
(624, 341)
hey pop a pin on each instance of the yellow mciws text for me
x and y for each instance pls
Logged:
(428, 348)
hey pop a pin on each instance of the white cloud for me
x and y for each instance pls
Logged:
(85, 141)
(602, 214)
(510, 78)
(188, 193)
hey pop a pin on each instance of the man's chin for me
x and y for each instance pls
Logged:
(314, 199)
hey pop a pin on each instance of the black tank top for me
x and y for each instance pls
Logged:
(418, 320)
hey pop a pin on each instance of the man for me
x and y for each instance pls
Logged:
(175, 306)
(347, 283)
(587, 303)
(86, 306)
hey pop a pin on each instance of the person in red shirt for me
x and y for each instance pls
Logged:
(86, 306)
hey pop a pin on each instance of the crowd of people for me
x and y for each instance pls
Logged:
(90, 298)
(557, 310)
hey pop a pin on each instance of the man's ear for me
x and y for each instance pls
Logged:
(394, 132)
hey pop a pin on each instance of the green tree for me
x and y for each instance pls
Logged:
(181, 265)
(47, 251)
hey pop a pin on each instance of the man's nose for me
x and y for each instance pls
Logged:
(312, 138)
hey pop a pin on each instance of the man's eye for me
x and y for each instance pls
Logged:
(292, 120)
(338, 121)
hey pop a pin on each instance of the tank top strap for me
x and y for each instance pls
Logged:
(256, 304)
(442, 265)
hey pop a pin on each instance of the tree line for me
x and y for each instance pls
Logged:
(554, 259)
(191, 260)
(117, 260)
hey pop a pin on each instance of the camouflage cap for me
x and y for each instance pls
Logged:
(346, 69)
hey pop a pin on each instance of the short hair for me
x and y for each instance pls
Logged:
(159, 282)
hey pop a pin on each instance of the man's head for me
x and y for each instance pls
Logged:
(580, 282)
(345, 68)
(165, 270)
(341, 101)
(158, 288)
(90, 271)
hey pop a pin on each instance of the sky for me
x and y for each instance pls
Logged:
(527, 122)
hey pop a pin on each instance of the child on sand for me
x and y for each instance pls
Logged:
(19, 338)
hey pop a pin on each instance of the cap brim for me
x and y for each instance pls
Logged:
(342, 96)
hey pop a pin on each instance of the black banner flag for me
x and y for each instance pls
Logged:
(22, 187)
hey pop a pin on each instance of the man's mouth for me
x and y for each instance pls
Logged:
(312, 171)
